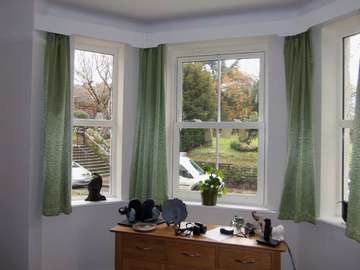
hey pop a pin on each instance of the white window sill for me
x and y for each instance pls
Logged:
(114, 200)
(334, 221)
(109, 200)
(232, 206)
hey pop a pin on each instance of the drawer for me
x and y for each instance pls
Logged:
(192, 255)
(137, 246)
(244, 259)
(140, 265)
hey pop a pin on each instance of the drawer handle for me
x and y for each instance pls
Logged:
(143, 248)
(192, 255)
(245, 261)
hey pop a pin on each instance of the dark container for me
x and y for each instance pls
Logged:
(344, 210)
(209, 197)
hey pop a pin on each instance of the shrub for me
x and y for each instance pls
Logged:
(234, 175)
(245, 147)
(191, 138)
(81, 114)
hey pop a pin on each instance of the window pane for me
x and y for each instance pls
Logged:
(347, 152)
(93, 85)
(239, 159)
(240, 89)
(197, 150)
(91, 154)
(351, 72)
(199, 84)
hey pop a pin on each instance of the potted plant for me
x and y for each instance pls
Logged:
(212, 187)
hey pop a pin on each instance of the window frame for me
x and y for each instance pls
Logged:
(245, 52)
(115, 124)
(332, 123)
(342, 123)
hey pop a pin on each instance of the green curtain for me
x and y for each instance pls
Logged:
(353, 219)
(148, 177)
(57, 126)
(298, 202)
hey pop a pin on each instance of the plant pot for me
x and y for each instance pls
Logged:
(344, 210)
(209, 197)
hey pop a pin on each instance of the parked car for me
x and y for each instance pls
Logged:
(80, 176)
(190, 173)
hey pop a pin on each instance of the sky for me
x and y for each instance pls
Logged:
(355, 59)
(79, 54)
(249, 66)
(352, 59)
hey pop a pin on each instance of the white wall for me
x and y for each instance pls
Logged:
(16, 25)
(276, 144)
(36, 186)
(131, 73)
(325, 246)
(81, 240)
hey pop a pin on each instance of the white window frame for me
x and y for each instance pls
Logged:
(115, 124)
(332, 123)
(341, 123)
(217, 51)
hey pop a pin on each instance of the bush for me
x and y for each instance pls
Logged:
(191, 138)
(99, 152)
(234, 175)
(245, 147)
(81, 114)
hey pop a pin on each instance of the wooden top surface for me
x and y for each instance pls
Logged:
(164, 231)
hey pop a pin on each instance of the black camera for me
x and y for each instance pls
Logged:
(199, 228)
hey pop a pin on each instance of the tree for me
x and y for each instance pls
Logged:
(240, 100)
(199, 94)
(239, 96)
(93, 73)
(199, 103)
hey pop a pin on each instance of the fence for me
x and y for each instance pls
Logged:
(237, 177)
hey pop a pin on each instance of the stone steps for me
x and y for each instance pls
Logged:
(87, 158)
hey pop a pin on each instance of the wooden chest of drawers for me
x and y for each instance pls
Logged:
(162, 250)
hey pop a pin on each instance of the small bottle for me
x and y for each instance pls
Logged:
(237, 223)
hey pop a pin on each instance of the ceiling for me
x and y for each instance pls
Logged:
(160, 10)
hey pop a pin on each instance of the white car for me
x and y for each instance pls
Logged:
(80, 176)
(190, 173)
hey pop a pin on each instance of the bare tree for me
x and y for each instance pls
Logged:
(93, 72)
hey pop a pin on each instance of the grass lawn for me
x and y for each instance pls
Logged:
(227, 154)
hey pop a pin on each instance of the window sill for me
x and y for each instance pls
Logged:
(333, 221)
(109, 200)
(231, 206)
